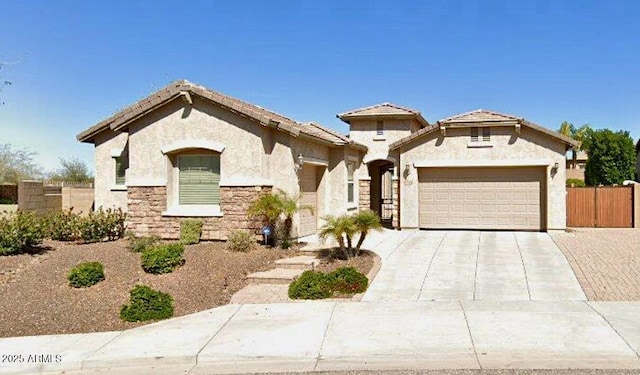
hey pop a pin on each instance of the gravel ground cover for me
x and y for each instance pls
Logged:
(37, 300)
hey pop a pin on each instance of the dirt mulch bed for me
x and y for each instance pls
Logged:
(37, 300)
(363, 263)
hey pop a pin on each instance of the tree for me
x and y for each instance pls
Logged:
(612, 157)
(16, 165)
(578, 134)
(73, 170)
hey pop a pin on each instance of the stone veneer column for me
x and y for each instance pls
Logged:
(364, 194)
(146, 203)
(395, 194)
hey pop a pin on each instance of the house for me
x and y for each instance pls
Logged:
(575, 168)
(187, 151)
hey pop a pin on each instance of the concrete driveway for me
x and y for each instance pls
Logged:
(470, 265)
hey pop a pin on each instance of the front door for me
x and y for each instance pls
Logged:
(309, 198)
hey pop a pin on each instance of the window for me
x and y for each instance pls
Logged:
(379, 128)
(199, 179)
(475, 134)
(350, 188)
(122, 164)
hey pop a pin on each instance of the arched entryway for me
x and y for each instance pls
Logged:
(382, 192)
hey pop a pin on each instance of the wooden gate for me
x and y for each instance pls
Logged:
(600, 207)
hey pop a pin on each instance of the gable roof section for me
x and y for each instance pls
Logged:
(478, 118)
(178, 89)
(382, 110)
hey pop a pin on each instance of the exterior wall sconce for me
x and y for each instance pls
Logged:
(556, 165)
(407, 171)
(299, 162)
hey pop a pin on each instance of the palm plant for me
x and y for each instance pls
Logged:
(271, 207)
(343, 228)
(580, 134)
(365, 221)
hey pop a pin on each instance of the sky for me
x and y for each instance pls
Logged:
(72, 64)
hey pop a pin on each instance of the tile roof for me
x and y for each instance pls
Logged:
(382, 109)
(176, 89)
(481, 116)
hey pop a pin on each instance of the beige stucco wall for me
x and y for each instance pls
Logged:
(107, 195)
(508, 147)
(363, 131)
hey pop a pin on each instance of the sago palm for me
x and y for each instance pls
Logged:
(365, 221)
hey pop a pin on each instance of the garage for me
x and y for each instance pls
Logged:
(509, 198)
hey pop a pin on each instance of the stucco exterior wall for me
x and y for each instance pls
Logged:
(364, 131)
(508, 147)
(107, 195)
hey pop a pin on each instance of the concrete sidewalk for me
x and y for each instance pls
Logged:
(347, 335)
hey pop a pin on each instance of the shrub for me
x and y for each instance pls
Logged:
(240, 241)
(190, 231)
(63, 226)
(147, 304)
(19, 231)
(86, 274)
(140, 244)
(6, 201)
(347, 280)
(310, 285)
(101, 224)
(163, 258)
(575, 182)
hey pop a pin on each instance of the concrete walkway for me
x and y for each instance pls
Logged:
(470, 265)
(345, 335)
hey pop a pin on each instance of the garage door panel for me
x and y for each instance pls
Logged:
(481, 198)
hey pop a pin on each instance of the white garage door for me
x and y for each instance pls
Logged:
(482, 198)
(308, 197)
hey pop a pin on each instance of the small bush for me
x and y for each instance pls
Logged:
(147, 304)
(140, 244)
(240, 241)
(6, 201)
(86, 274)
(190, 231)
(575, 182)
(106, 224)
(163, 258)
(63, 226)
(347, 280)
(19, 231)
(310, 285)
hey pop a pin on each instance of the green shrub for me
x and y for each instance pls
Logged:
(147, 304)
(190, 231)
(6, 201)
(106, 224)
(140, 244)
(163, 258)
(63, 226)
(19, 231)
(575, 182)
(310, 285)
(86, 274)
(240, 241)
(347, 280)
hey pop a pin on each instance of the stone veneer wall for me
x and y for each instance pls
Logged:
(364, 195)
(146, 204)
(395, 194)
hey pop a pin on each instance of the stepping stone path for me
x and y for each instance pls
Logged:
(272, 286)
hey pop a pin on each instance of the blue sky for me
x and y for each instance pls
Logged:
(73, 63)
